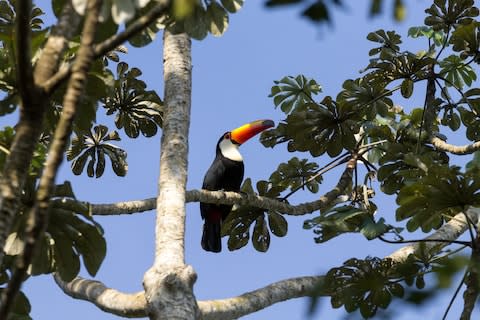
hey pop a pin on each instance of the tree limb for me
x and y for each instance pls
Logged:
(38, 216)
(228, 197)
(52, 53)
(460, 150)
(111, 43)
(109, 300)
(259, 299)
(255, 300)
(134, 305)
(449, 231)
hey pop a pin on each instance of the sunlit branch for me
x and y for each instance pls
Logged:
(459, 150)
(250, 302)
(449, 231)
(109, 300)
(112, 301)
(228, 197)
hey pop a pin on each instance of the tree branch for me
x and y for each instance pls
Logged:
(460, 150)
(255, 300)
(52, 53)
(135, 306)
(449, 231)
(259, 299)
(109, 300)
(228, 197)
(111, 43)
(38, 216)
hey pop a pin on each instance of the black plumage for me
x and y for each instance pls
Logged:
(224, 174)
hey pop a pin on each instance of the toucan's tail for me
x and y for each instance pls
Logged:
(211, 238)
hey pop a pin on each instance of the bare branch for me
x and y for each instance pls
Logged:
(38, 216)
(52, 53)
(460, 150)
(137, 26)
(449, 231)
(109, 300)
(112, 42)
(135, 306)
(228, 197)
(250, 302)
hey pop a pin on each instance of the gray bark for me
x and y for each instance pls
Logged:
(169, 282)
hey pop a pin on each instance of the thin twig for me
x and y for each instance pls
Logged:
(454, 296)
(329, 166)
(463, 243)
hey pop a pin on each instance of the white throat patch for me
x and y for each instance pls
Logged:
(230, 150)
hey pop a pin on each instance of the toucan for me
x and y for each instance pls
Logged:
(225, 173)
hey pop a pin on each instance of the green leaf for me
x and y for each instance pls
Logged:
(456, 72)
(196, 24)
(137, 110)
(372, 229)
(290, 92)
(217, 19)
(66, 261)
(443, 16)
(474, 164)
(232, 6)
(363, 285)
(436, 197)
(93, 147)
(296, 172)
(261, 236)
(466, 39)
(277, 223)
(407, 88)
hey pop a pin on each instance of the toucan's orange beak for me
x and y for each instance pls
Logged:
(245, 132)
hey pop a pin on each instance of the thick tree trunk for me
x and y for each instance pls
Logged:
(169, 282)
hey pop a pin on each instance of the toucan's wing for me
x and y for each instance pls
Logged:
(213, 179)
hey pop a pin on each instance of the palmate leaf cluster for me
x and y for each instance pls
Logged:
(71, 236)
(428, 187)
(291, 176)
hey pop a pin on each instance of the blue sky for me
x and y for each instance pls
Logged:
(232, 77)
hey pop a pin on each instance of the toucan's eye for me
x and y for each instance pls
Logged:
(227, 136)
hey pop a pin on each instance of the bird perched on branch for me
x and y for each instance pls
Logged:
(225, 173)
